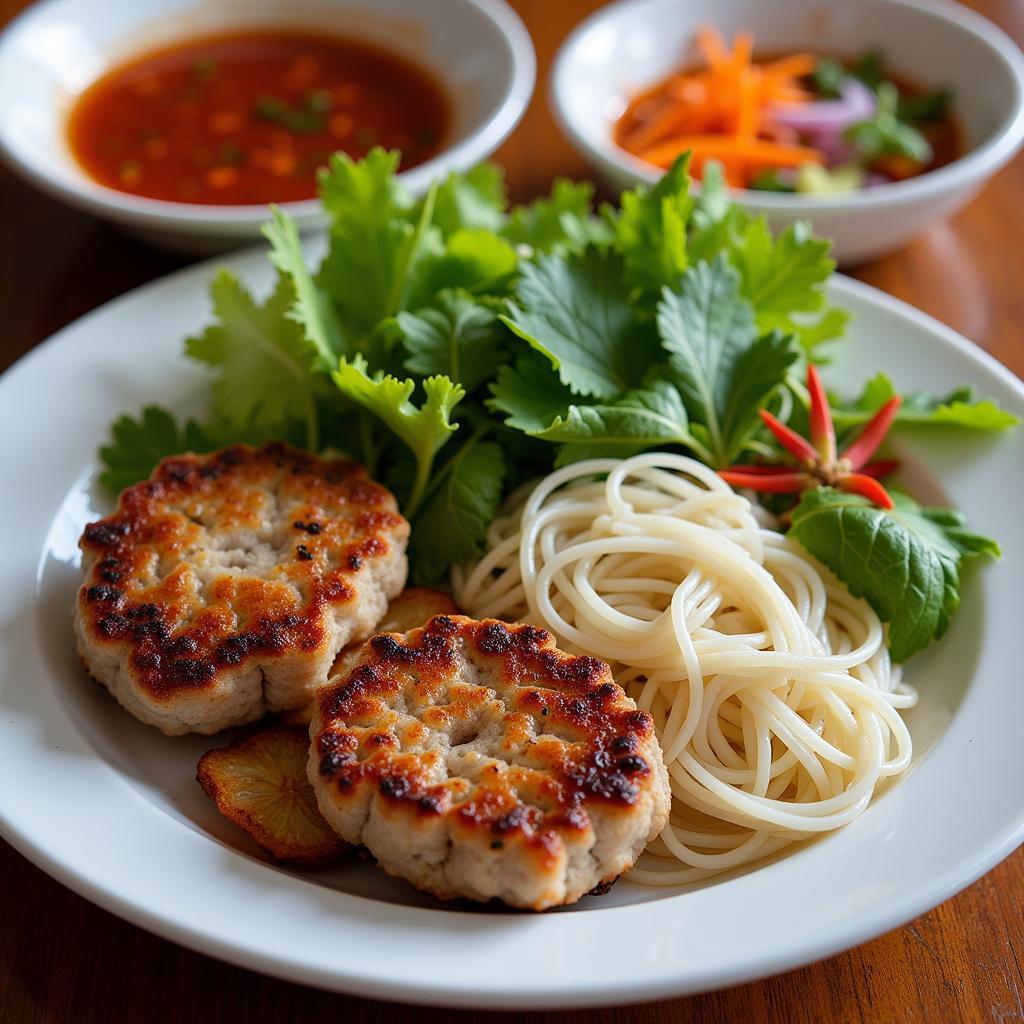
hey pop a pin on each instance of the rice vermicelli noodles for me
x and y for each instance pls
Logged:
(770, 685)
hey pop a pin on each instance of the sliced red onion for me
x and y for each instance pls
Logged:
(828, 117)
(876, 178)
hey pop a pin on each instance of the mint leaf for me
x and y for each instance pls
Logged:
(423, 429)
(529, 393)
(575, 310)
(474, 199)
(312, 307)
(376, 240)
(562, 221)
(456, 337)
(137, 445)
(906, 563)
(650, 230)
(724, 372)
(960, 408)
(451, 526)
(646, 418)
(264, 359)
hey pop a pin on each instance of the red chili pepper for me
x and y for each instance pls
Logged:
(819, 465)
(866, 443)
(823, 433)
(775, 483)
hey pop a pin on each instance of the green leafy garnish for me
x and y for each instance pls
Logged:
(377, 239)
(646, 418)
(475, 199)
(528, 394)
(906, 563)
(460, 348)
(724, 370)
(457, 337)
(575, 310)
(559, 222)
(424, 430)
(263, 360)
(885, 134)
(960, 408)
(650, 230)
(456, 512)
(137, 445)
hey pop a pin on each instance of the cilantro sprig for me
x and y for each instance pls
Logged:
(459, 347)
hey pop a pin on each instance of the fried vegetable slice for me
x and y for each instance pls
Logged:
(259, 782)
(413, 607)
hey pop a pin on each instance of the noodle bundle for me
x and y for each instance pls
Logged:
(771, 688)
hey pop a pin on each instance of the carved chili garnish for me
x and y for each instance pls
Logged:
(818, 465)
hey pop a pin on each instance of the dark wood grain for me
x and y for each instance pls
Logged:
(62, 959)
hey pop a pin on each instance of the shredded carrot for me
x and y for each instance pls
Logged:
(795, 66)
(759, 152)
(721, 111)
(710, 40)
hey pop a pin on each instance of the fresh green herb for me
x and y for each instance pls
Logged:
(459, 348)
(723, 369)
(905, 562)
(575, 310)
(424, 430)
(301, 120)
(458, 508)
(768, 181)
(139, 444)
(562, 221)
(870, 69)
(885, 134)
(928, 107)
(653, 417)
(650, 230)
(457, 337)
(960, 408)
(263, 361)
(828, 78)
(204, 69)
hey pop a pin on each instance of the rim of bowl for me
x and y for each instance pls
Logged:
(976, 165)
(83, 192)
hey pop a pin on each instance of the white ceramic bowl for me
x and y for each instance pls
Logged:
(478, 49)
(629, 45)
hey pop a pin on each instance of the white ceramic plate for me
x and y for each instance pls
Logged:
(110, 807)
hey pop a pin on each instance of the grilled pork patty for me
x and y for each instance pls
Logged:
(224, 586)
(475, 759)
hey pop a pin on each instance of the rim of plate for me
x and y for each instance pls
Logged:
(460, 154)
(163, 873)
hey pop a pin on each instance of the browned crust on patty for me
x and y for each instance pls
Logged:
(139, 596)
(573, 738)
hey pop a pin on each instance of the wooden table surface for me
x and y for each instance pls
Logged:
(62, 959)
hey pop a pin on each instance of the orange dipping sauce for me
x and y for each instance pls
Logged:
(249, 117)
